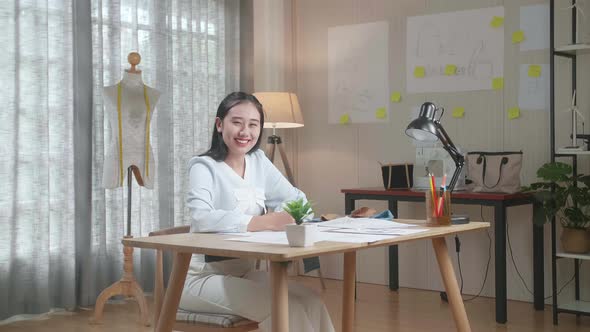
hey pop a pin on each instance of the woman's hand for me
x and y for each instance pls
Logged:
(274, 221)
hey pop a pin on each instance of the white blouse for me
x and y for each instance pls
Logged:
(220, 200)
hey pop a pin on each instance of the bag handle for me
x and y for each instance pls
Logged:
(503, 162)
(389, 173)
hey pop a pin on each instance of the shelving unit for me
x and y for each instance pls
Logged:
(570, 52)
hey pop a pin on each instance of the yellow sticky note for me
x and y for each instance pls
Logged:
(419, 71)
(396, 96)
(344, 119)
(497, 21)
(381, 113)
(517, 36)
(458, 112)
(513, 113)
(498, 83)
(534, 70)
(450, 70)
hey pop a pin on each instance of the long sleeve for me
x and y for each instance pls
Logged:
(278, 189)
(203, 192)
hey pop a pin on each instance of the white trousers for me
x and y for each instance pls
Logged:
(250, 297)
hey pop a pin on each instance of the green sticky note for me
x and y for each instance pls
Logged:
(497, 21)
(344, 119)
(517, 36)
(419, 72)
(534, 70)
(458, 112)
(498, 83)
(450, 70)
(513, 113)
(381, 113)
(396, 96)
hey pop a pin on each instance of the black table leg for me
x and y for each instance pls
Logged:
(500, 259)
(538, 259)
(348, 204)
(393, 253)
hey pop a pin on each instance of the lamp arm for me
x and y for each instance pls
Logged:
(453, 152)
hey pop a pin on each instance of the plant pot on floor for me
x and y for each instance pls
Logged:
(575, 241)
(301, 235)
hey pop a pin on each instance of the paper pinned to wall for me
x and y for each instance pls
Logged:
(464, 39)
(358, 71)
(534, 21)
(533, 91)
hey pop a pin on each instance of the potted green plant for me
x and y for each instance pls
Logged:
(569, 203)
(300, 235)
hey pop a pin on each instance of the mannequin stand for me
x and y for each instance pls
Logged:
(128, 285)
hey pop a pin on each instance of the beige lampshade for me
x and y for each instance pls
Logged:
(281, 109)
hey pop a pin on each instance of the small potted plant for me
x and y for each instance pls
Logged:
(569, 203)
(300, 235)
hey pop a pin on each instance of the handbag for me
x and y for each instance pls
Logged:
(494, 171)
(397, 176)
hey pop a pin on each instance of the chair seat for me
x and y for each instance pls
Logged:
(221, 320)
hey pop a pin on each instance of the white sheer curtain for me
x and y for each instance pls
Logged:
(189, 52)
(37, 251)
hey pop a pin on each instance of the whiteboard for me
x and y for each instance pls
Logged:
(464, 39)
(358, 72)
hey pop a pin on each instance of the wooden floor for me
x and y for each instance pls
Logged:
(377, 310)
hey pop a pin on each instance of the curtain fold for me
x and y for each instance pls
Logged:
(190, 53)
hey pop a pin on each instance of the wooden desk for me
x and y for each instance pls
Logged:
(184, 245)
(500, 202)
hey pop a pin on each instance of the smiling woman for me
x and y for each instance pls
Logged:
(231, 185)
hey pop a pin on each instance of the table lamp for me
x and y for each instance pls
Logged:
(281, 111)
(426, 128)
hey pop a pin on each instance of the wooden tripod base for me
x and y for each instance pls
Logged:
(127, 286)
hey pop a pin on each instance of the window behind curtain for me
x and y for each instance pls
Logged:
(189, 52)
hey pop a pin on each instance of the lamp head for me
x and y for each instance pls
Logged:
(424, 128)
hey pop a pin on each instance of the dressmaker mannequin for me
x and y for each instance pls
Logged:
(130, 104)
(134, 98)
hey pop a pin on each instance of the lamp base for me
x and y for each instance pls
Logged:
(459, 219)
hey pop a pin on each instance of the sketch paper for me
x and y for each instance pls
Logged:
(358, 73)
(533, 93)
(464, 39)
(534, 21)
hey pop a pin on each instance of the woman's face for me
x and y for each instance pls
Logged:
(240, 128)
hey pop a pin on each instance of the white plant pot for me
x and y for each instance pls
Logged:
(301, 235)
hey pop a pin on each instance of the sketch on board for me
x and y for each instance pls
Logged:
(464, 40)
(358, 72)
(533, 92)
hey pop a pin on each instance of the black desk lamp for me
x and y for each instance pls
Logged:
(426, 128)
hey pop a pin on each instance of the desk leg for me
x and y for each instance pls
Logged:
(451, 286)
(280, 297)
(538, 259)
(393, 254)
(500, 259)
(348, 290)
(172, 298)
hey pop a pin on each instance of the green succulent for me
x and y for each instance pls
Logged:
(298, 209)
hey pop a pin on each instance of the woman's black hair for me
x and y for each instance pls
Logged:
(218, 149)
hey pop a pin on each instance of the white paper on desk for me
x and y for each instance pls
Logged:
(364, 223)
(263, 237)
(397, 231)
(281, 237)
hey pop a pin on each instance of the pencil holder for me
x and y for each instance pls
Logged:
(439, 213)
